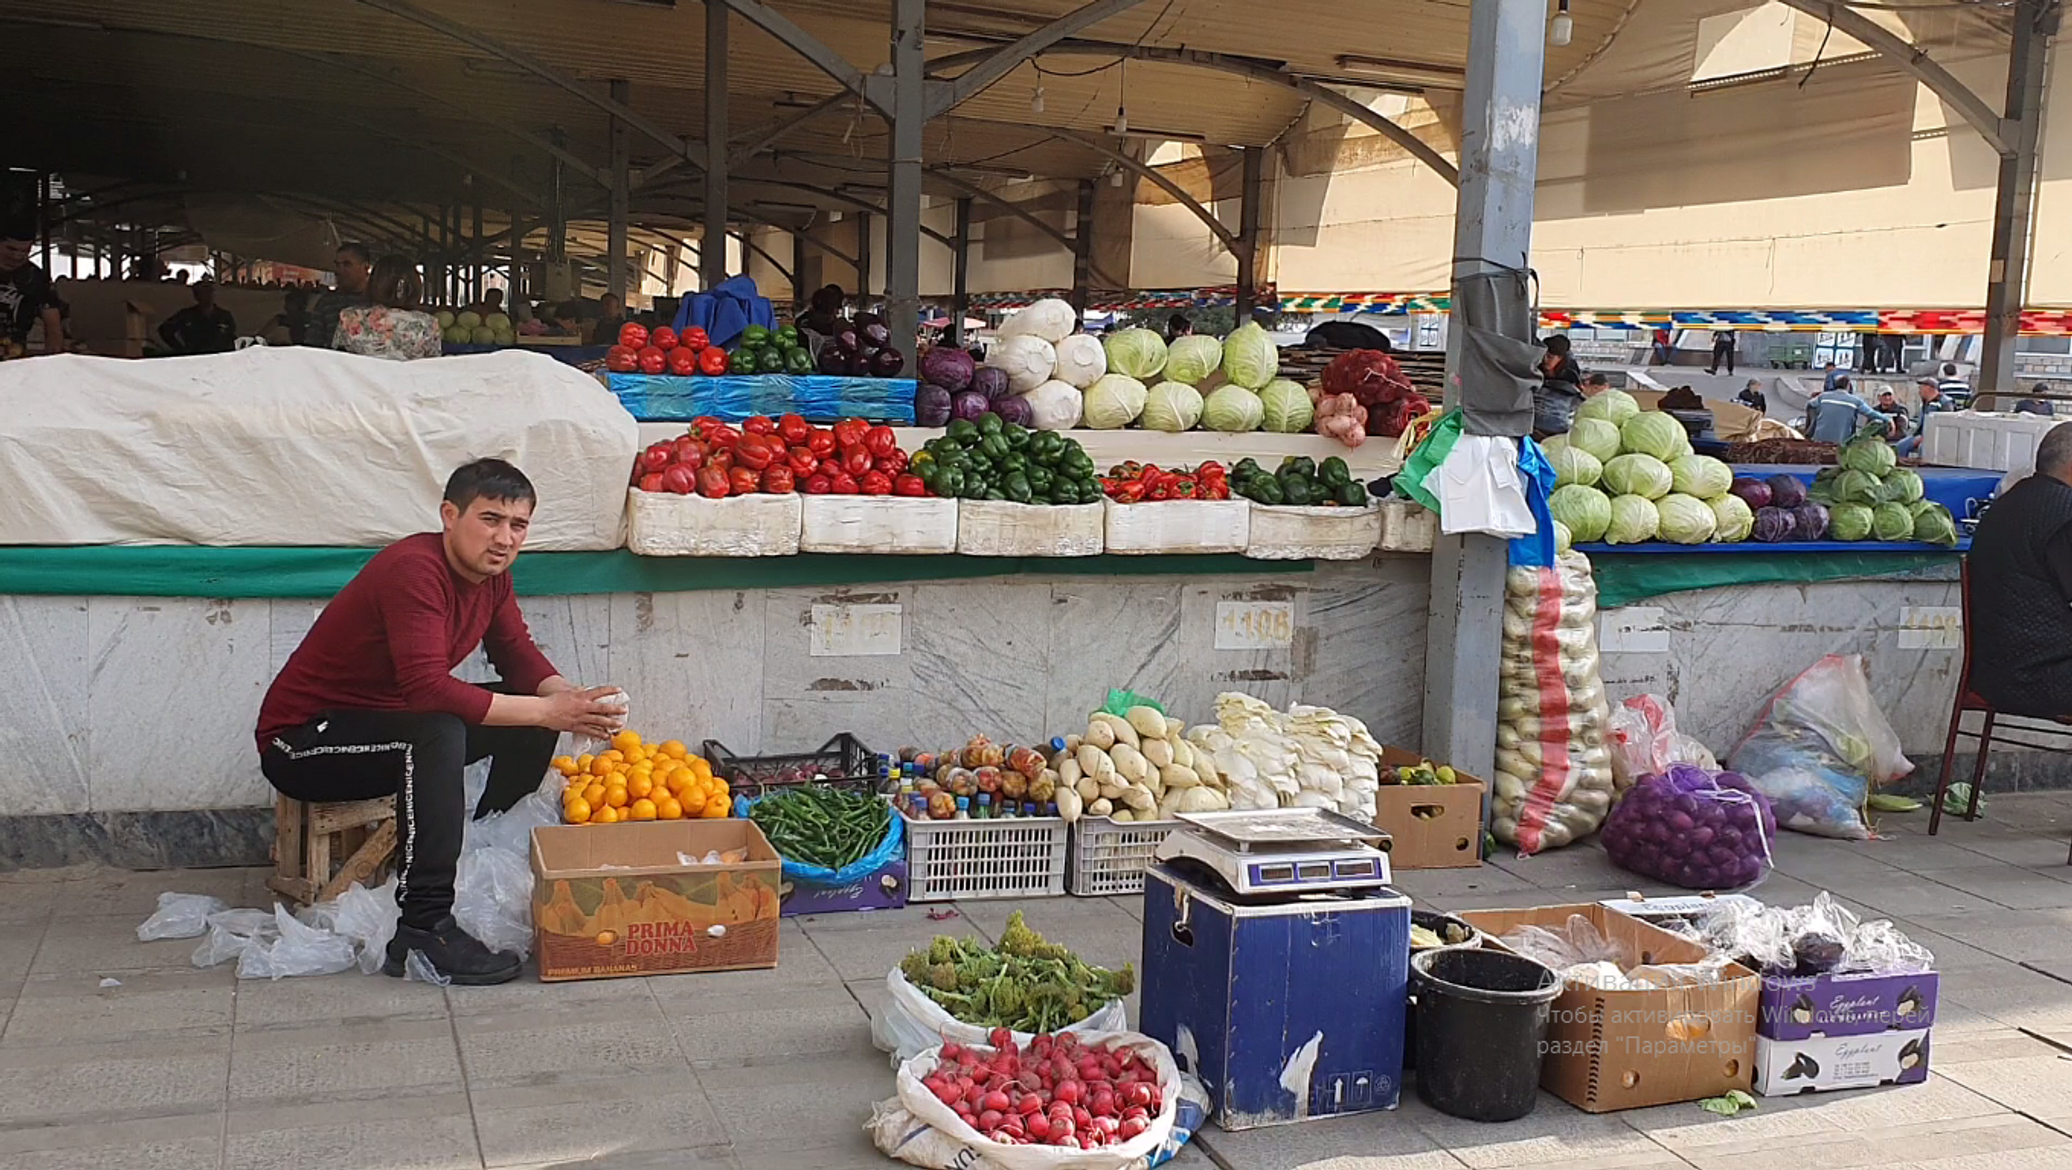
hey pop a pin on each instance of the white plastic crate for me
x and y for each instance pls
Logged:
(1013, 857)
(1110, 858)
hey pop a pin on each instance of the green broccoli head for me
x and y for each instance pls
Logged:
(915, 967)
(943, 976)
(1124, 981)
(943, 950)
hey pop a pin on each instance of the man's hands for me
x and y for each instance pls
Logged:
(583, 711)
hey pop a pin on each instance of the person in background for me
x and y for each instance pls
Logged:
(367, 706)
(1178, 326)
(1874, 353)
(354, 263)
(1722, 351)
(291, 325)
(27, 296)
(1752, 397)
(823, 309)
(610, 319)
(1896, 351)
(1836, 415)
(1596, 384)
(1932, 402)
(2036, 405)
(202, 327)
(393, 326)
(1833, 375)
(2020, 565)
(1663, 354)
(492, 302)
(1954, 387)
(1888, 405)
(1556, 365)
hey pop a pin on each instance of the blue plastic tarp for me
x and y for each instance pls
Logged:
(725, 311)
(668, 398)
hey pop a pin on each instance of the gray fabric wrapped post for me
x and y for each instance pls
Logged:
(1498, 370)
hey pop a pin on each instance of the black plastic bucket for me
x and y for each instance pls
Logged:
(1443, 925)
(1481, 1029)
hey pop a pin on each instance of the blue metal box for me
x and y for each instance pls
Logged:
(1286, 1010)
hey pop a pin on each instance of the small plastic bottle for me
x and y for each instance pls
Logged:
(963, 809)
(984, 811)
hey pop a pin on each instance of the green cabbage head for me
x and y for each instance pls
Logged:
(1574, 466)
(1612, 406)
(1233, 409)
(1288, 409)
(1172, 406)
(1935, 525)
(1849, 522)
(1634, 520)
(1701, 476)
(1892, 522)
(1735, 519)
(1191, 359)
(1903, 485)
(1653, 433)
(1638, 475)
(1685, 519)
(1139, 353)
(1250, 358)
(1595, 435)
(1563, 538)
(1586, 511)
(1867, 452)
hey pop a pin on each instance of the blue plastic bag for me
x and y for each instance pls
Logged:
(888, 851)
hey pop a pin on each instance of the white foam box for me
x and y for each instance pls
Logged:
(1822, 1063)
(663, 524)
(1178, 526)
(1281, 532)
(912, 525)
(1001, 528)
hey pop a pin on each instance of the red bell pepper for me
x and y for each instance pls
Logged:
(850, 431)
(855, 460)
(779, 479)
(712, 361)
(693, 339)
(801, 461)
(723, 458)
(821, 442)
(793, 430)
(1129, 493)
(908, 485)
(651, 482)
(712, 482)
(1182, 488)
(895, 463)
(657, 457)
(844, 484)
(755, 452)
(759, 424)
(875, 483)
(817, 484)
(1158, 490)
(880, 441)
(741, 481)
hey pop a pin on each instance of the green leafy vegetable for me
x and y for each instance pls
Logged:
(1027, 983)
(1685, 519)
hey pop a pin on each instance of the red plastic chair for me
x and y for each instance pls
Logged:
(1971, 700)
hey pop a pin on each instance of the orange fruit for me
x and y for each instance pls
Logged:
(714, 810)
(583, 761)
(669, 809)
(616, 796)
(643, 809)
(601, 766)
(604, 816)
(639, 786)
(628, 738)
(612, 754)
(564, 765)
(700, 765)
(674, 749)
(594, 793)
(576, 811)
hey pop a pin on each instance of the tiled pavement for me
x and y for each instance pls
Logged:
(178, 1068)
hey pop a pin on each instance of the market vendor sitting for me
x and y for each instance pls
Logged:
(2020, 565)
(367, 705)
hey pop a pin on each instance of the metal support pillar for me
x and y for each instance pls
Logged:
(622, 201)
(434, 271)
(960, 292)
(1248, 233)
(1492, 231)
(863, 258)
(1082, 250)
(475, 251)
(43, 216)
(557, 204)
(2007, 276)
(903, 196)
(712, 245)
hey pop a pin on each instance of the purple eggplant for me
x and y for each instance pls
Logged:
(887, 363)
(847, 341)
(876, 336)
(833, 362)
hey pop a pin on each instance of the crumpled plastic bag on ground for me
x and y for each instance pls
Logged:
(180, 916)
(367, 918)
(1821, 748)
(296, 948)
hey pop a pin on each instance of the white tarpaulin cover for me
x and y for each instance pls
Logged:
(296, 446)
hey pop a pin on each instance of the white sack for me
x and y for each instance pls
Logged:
(300, 446)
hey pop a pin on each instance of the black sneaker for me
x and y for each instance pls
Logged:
(452, 952)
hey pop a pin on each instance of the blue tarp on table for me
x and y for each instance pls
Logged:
(1963, 490)
(821, 399)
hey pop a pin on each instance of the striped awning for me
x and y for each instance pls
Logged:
(1128, 300)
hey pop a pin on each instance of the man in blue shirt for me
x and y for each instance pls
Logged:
(1836, 415)
(1833, 375)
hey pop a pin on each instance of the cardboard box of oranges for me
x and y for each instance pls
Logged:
(653, 898)
(636, 781)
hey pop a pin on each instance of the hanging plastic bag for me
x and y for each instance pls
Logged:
(918, 1129)
(1553, 770)
(1692, 828)
(179, 916)
(1644, 741)
(1820, 748)
(911, 1023)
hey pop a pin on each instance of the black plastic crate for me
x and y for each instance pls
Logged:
(843, 760)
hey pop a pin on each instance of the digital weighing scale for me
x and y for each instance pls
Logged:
(1281, 851)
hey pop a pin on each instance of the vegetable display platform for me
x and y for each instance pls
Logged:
(670, 399)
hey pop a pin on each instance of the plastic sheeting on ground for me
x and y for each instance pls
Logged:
(298, 446)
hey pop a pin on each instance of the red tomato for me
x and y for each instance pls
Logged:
(712, 482)
(651, 482)
(693, 339)
(633, 335)
(662, 338)
(875, 483)
(680, 479)
(653, 361)
(779, 479)
(682, 362)
(712, 361)
(743, 480)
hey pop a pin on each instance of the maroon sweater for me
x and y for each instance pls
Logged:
(390, 640)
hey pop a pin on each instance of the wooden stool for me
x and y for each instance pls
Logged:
(362, 833)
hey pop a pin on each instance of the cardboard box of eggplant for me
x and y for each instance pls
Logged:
(1610, 1048)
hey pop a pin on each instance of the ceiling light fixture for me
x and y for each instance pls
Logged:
(1562, 27)
(1036, 101)
(1402, 72)
(1171, 135)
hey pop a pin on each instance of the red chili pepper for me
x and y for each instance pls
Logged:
(712, 361)
(801, 461)
(741, 481)
(880, 441)
(875, 483)
(779, 479)
(793, 429)
(821, 442)
(908, 485)
(818, 485)
(855, 460)
(844, 484)
(754, 452)
(850, 431)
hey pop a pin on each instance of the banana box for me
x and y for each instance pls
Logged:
(653, 898)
